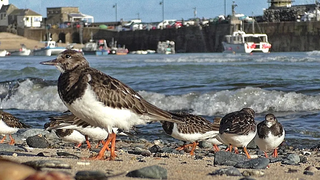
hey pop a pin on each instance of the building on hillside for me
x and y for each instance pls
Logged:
(4, 11)
(25, 18)
(61, 15)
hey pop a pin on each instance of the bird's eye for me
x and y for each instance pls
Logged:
(68, 56)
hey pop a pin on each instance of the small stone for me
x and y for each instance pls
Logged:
(151, 172)
(308, 173)
(253, 172)
(157, 142)
(68, 155)
(311, 169)
(145, 153)
(40, 154)
(155, 149)
(37, 142)
(10, 148)
(90, 175)
(259, 163)
(303, 159)
(290, 170)
(247, 178)
(228, 158)
(205, 144)
(231, 171)
(47, 164)
(291, 159)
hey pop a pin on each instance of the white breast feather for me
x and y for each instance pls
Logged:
(89, 109)
(5, 129)
(191, 137)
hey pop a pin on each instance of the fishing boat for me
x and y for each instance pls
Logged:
(3, 53)
(240, 42)
(23, 51)
(50, 48)
(117, 49)
(98, 48)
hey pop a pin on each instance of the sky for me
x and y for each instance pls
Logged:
(150, 10)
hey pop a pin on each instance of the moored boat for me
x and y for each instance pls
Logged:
(23, 51)
(50, 48)
(240, 42)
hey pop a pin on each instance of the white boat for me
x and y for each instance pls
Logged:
(3, 53)
(23, 51)
(240, 42)
(50, 49)
(166, 47)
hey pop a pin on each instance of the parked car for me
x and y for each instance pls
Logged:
(164, 23)
(176, 24)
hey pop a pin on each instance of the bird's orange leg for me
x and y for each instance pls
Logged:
(113, 147)
(105, 147)
(184, 146)
(102, 142)
(215, 148)
(2, 140)
(229, 148)
(78, 146)
(88, 143)
(245, 150)
(275, 153)
(194, 145)
(11, 140)
(266, 154)
(236, 150)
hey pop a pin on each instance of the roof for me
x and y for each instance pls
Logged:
(24, 12)
(78, 15)
(5, 8)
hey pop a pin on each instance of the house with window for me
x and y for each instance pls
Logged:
(4, 11)
(25, 18)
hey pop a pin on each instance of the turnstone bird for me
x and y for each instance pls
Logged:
(70, 121)
(270, 135)
(101, 100)
(9, 125)
(69, 135)
(214, 140)
(194, 129)
(237, 129)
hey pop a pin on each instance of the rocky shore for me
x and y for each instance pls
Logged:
(137, 158)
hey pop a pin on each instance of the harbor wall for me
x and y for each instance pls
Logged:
(284, 36)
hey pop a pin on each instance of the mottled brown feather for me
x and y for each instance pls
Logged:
(239, 122)
(276, 129)
(109, 91)
(192, 124)
(12, 121)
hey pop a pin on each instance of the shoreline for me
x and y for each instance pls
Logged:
(178, 165)
(11, 42)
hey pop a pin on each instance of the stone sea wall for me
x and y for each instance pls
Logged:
(284, 36)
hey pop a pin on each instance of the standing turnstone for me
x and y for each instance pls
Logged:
(101, 100)
(194, 129)
(237, 129)
(9, 125)
(270, 135)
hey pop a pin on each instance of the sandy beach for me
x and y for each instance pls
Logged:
(11, 42)
(178, 166)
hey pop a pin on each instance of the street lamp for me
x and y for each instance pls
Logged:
(116, 8)
(162, 3)
(138, 15)
(195, 12)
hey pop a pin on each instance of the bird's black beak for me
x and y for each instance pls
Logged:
(51, 62)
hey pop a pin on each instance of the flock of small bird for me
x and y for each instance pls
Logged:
(101, 106)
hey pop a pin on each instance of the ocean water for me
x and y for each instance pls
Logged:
(206, 84)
